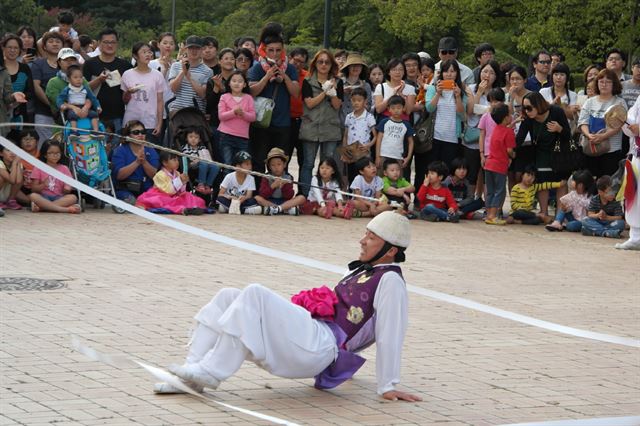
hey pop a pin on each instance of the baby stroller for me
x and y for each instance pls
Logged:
(89, 161)
(180, 123)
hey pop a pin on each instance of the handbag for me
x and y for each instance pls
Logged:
(424, 128)
(594, 149)
(264, 109)
(352, 153)
(471, 135)
(133, 186)
(566, 157)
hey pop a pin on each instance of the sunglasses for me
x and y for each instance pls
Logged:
(242, 59)
(527, 108)
(448, 52)
(323, 62)
(137, 132)
(544, 62)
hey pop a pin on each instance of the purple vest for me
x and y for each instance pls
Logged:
(355, 293)
(355, 298)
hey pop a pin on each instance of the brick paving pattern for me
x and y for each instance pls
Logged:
(132, 288)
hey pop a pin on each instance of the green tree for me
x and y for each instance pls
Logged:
(16, 13)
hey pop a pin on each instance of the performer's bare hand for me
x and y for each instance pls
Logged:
(395, 395)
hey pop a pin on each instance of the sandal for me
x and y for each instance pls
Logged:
(552, 228)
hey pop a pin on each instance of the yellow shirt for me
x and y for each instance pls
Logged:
(523, 198)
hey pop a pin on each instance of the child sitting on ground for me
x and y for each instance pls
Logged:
(497, 161)
(436, 201)
(323, 200)
(48, 193)
(169, 191)
(29, 143)
(10, 180)
(237, 188)
(360, 132)
(207, 172)
(368, 184)
(462, 191)
(523, 197)
(395, 187)
(572, 207)
(77, 100)
(395, 135)
(275, 195)
(604, 214)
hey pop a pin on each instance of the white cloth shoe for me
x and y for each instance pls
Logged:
(628, 245)
(166, 388)
(196, 374)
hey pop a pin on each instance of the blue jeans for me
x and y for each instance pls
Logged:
(598, 227)
(230, 145)
(207, 173)
(442, 214)
(496, 188)
(572, 225)
(309, 151)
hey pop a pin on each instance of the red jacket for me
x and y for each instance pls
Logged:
(267, 192)
(442, 197)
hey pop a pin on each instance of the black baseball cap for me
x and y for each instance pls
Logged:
(193, 41)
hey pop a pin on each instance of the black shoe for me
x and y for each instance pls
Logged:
(196, 211)
(428, 217)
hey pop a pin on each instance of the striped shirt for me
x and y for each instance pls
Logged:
(523, 198)
(612, 208)
(185, 93)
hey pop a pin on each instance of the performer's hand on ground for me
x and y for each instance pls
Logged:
(395, 395)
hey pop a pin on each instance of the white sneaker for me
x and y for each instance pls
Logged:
(194, 373)
(253, 210)
(222, 208)
(293, 211)
(166, 388)
(274, 210)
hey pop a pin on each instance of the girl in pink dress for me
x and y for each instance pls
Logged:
(169, 189)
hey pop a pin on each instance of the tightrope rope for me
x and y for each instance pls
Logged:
(195, 157)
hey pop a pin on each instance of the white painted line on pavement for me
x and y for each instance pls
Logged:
(312, 263)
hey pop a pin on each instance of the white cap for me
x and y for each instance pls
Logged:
(424, 55)
(65, 53)
(391, 227)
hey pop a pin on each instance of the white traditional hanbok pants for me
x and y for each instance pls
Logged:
(259, 325)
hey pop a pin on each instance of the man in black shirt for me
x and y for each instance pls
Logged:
(103, 73)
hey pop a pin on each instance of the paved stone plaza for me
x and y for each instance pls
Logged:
(132, 288)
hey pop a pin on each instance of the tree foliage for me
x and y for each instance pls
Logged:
(581, 29)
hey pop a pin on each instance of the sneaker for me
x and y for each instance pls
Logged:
(429, 217)
(410, 216)
(1, 212)
(349, 209)
(274, 210)
(293, 211)
(589, 233)
(254, 210)
(194, 373)
(223, 209)
(12, 204)
(612, 233)
(453, 218)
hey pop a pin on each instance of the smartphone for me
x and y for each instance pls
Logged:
(31, 51)
(271, 62)
(187, 66)
(448, 84)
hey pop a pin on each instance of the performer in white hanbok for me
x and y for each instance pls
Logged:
(318, 333)
(631, 184)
